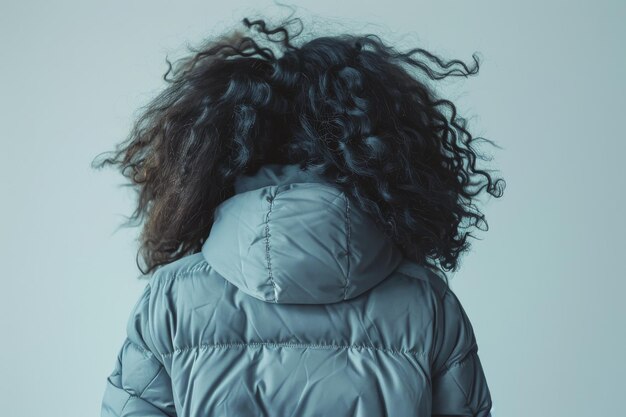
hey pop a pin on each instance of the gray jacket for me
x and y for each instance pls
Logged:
(297, 305)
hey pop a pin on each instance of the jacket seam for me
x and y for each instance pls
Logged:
(228, 345)
(267, 247)
(348, 253)
(201, 264)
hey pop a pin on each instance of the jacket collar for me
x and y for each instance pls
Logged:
(290, 236)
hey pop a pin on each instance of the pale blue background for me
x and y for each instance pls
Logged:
(544, 287)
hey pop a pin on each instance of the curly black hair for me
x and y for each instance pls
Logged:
(353, 108)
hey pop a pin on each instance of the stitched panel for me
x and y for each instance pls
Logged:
(238, 345)
(348, 252)
(270, 199)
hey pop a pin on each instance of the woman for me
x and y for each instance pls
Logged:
(300, 213)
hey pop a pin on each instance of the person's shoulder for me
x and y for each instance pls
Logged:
(413, 289)
(433, 282)
(179, 269)
(170, 283)
(454, 336)
(423, 277)
(171, 289)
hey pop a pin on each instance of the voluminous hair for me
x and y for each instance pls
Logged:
(353, 108)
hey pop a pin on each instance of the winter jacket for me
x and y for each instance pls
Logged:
(297, 305)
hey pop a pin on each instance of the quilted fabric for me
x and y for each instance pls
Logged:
(297, 305)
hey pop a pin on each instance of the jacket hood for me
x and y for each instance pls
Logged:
(289, 236)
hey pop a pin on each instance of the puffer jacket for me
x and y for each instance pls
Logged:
(297, 305)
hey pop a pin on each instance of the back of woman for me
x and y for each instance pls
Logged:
(301, 211)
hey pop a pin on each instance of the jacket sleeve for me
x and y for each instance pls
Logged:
(139, 385)
(459, 386)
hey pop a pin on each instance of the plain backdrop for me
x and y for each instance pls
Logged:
(544, 287)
